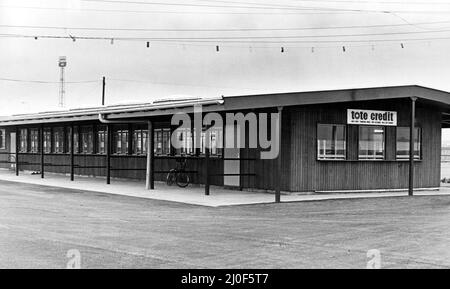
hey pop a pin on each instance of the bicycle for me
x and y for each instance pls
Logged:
(178, 175)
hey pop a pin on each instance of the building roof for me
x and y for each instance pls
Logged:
(241, 102)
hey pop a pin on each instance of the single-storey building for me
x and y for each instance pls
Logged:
(336, 140)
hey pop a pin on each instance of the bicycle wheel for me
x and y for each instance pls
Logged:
(171, 176)
(182, 180)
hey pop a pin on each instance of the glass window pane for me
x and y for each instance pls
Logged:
(371, 142)
(23, 140)
(403, 143)
(331, 142)
(166, 141)
(2, 139)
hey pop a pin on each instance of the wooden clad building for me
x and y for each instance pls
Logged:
(344, 140)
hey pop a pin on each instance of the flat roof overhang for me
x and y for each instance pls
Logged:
(242, 102)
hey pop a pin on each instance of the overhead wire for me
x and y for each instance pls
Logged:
(221, 29)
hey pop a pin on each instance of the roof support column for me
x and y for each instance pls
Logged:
(207, 152)
(411, 146)
(279, 165)
(72, 153)
(17, 151)
(41, 145)
(150, 171)
(108, 153)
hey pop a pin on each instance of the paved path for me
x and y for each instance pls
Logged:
(38, 225)
(192, 195)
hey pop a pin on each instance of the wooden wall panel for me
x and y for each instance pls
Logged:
(309, 174)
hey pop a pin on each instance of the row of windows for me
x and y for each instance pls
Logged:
(331, 142)
(86, 141)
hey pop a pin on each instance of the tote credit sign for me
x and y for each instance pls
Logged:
(371, 117)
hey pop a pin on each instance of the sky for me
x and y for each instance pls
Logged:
(250, 38)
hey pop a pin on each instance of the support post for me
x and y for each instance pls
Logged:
(41, 145)
(150, 171)
(17, 150)
(411, 146)
(103, 90)
(72, 153)
(207, 149)
(279, 164)
(108, 153)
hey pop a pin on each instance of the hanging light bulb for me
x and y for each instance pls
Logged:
(401, 44)
(282, 49)
(217, 48)
(343, 48)
(148, 44)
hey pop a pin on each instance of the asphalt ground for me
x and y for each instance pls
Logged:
(39, 225)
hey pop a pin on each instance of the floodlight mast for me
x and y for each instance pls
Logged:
(62, 63)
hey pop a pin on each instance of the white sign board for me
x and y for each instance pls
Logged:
(371, 117)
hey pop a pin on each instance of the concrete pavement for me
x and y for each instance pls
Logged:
(39, 225)
(191, 195)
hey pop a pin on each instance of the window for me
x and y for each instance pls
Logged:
(2, 139)
(58, 140)
(23, 140)
(101, 140)
(47, 141)
(371, 143)
(331, 142)
(403, 143)
(162, 141)
(216, 145)
(140, 141)
(121, 141)
(34, 140)
(87, 140)
(185, 138)
(75, 140)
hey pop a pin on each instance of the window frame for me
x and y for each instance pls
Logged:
(166, 144)
(2, 139)
(124, 134)
(47, 141)
(86, 131)
(345, 140)
(34, 142)
(58, 131)
(384, 142)
(219, 149)
(138, 137)
(23, 139)
(101, 137)
(419, 158)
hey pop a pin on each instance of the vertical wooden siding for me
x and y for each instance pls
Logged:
(309, 174)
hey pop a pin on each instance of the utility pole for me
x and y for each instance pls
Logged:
(103, 91)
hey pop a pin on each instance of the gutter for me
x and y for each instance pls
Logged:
(102, 119)
(102, 112)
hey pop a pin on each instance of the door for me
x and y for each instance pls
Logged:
(12, 149)
(232, 166)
